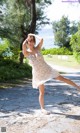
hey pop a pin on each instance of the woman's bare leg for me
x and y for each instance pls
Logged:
(68, 81)
(41, 96)
(41, 99)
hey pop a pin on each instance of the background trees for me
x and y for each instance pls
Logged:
(17, 19)
(75, 43)
(20, 17)
(67, 34)
(62, 31)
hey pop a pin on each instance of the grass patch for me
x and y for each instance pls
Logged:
(61, 60)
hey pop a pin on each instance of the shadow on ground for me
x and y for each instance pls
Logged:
(58, 97)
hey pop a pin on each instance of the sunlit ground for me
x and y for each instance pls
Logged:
(62, 60)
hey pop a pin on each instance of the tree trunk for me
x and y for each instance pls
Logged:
(31, 28)
(33, 22)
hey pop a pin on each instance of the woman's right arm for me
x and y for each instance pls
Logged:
(25, 52)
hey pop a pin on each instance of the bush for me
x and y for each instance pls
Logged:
(77, 56)
(57, 51)
(13, 70)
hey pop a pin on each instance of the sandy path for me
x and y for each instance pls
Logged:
(20, 110)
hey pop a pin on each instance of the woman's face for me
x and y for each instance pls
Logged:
(30, 42)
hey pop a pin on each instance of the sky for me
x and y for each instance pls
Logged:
(55, 12)
(67, 8)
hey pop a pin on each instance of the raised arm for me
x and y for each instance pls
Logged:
(25, 52)
(40, 40)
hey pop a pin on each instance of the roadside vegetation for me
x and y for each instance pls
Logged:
(57, 51)
(29, 17)
(12, 70)
(17, 19)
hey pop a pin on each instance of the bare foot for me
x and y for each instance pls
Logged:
(45, 112)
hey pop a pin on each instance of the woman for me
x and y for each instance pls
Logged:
(41, 71)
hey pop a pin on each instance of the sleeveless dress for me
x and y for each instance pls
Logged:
(41, 71)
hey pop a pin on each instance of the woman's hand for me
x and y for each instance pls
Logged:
(37, 36)
(30, 34)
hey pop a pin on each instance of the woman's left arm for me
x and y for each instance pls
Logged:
(40, 41)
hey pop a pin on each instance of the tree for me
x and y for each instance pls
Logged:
(75, 40)
(13, 24)
(73, 27)
(75, 44)
(62, 32)
(19, 17)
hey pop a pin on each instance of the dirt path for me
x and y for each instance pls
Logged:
(20, 110)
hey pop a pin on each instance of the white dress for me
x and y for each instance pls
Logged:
(41, 71)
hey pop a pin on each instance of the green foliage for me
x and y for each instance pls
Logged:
(14, 15)
(13, 70)
(62, 31)
(7, 50)
(40, 17)
(78, 25)
(57, 51)
(4, 45)
(75, 42)
(73, 27)
(18, 17)
(77, 56)
(7, 53)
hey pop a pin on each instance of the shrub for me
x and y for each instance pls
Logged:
(57, 51)
(13, 70)
(77, 56)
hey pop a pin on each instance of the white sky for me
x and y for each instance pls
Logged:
(59, 8)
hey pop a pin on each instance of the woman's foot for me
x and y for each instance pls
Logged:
(45, 112)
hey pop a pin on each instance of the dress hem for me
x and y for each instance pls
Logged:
(42, 82)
